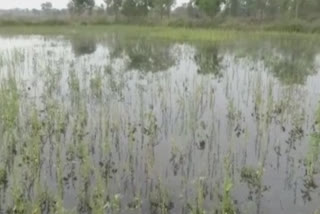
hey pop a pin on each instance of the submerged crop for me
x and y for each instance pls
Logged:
(121, 125)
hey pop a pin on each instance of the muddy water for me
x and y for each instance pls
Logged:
(132, 126)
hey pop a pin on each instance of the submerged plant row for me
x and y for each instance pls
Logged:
(105, 129)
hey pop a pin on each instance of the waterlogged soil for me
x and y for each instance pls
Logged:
(118, 125)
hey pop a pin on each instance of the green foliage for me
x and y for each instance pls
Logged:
(312, 159)
(79, 6)
(114, 6)
(9, 95)
(318, 118)
(159, 200)
(210, 7)
(130, 8)
(96, 85)
(258, 14)
(227, 202)
(136, 8)
(3, 176)
(293, 63)
(82, 46)
(251, 176)
(46, 6)
(208, 60)
(163, 7)
(198, 208)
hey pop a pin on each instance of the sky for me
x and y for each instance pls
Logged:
(30, 4)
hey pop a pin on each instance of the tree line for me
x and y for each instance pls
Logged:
(256, 9)
(124, 7)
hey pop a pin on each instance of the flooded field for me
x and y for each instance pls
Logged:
(135, 126)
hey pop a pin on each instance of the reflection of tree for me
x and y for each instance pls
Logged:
(292, 61)
(143, 55)
(208, 60)
(83, 46)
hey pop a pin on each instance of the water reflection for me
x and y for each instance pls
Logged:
(83, 46)
(209, 60)
(290, 60)
(143, 55)
(157, 127)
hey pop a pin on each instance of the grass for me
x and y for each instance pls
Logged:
(157, 32)
(285, 24)
(3, 176)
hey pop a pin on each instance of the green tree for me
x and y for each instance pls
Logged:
(136, 7)
(163, 6)
(114, 6)
(261, 9)
(210, 7)
(232, 7)
(305, 8)
(273, 8)
(143, 6)
(79, 6)
(46, 6)
(284, 6)
(129, 8)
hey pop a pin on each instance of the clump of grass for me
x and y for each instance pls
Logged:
(251, 176)
(150, 130)
(314, 148)
(313, 154)
(74, 85)
(114, 204)
(58, 208)
(318, 117)
(19, 202)
(96, 85)
(9, 96)
(160, 201)
(136, 203)
(3, 176)
(98, 197)
(232, 113)
(199, 206)
(227, 202)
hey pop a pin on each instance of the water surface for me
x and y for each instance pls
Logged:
(118, 125)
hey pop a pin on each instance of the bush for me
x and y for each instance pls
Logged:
(193, 23)
(315, 26)
(239, 24)
(221, 21)
(295, 25)
(3, 176)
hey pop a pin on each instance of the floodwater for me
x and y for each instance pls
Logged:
(119, 125)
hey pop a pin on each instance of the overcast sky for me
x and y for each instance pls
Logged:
(9, 4)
